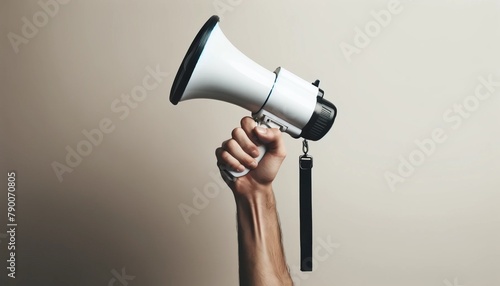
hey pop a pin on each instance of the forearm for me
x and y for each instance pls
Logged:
(261, 256)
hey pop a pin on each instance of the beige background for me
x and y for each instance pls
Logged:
(119, 208)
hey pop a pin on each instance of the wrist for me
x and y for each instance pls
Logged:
(253, 192)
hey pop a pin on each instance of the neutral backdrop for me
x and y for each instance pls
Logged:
(115, 217)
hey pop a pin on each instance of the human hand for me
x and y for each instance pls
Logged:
(241, 150)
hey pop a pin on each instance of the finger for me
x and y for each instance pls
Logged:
(236, 151)
(245, 142)
(248, 124)
(224, 158)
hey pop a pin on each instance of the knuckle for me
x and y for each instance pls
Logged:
(231, 144)
(248, 123)
(236, 133)
(225, 156)
(245, 120)
(249, 161)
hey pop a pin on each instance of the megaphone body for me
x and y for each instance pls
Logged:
(214, 69)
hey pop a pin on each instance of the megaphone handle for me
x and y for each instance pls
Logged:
(233, 175)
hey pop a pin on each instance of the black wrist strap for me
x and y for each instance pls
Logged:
(305, 196)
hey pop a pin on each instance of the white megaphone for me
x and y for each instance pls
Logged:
(213, 68)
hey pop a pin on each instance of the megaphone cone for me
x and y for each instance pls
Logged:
(213, 68)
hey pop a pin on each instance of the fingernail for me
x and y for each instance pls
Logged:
(261, 129)
(255, 153)
(240, 168)
(253, 165)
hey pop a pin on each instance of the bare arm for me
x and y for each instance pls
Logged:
(261, 256)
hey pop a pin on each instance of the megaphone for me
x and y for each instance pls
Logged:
(214, 69)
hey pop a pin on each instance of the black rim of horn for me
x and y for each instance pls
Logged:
(191, 59)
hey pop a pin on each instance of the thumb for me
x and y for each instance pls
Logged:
(271, 137)
(264, 134)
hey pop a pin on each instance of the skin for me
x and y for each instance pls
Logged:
(261, 256)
